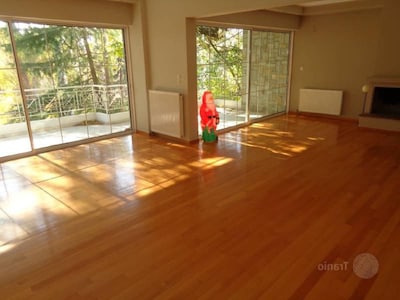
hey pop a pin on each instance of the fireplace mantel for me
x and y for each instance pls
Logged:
(370, 120)
(378, 82)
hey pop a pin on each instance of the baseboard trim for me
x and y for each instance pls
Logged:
(324, 116)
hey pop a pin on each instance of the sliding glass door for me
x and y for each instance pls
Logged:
(247, 71)
(70, 81)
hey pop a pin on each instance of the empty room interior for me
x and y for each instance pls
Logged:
(110, 190)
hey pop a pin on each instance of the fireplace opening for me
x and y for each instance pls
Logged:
(386, 102)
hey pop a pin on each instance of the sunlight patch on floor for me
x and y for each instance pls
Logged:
(220, 162)
(5, 248)
(316, 138)
(276, 150)
(148, 191)
(211, 160)
(262, 125)
(9, 230)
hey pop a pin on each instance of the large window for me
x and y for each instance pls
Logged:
(246, 70)
(60, 84)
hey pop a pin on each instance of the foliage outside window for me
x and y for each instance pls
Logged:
(220, 56)
(64, 70)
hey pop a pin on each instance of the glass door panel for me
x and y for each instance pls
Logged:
(119, 108)
(35, 53)
(246, 70)
(14, 137)
(220, 59)
(75, 81)
(44, 112)
(269, 73)
(73, 85)
(73, 113)
(98, 113)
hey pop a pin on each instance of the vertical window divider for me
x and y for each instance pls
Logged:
(290, 65)
(248, 88)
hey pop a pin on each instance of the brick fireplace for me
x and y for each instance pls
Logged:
(382, 104)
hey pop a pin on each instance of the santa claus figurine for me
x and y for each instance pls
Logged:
(209, 117)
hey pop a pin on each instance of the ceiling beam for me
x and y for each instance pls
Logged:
(332, 8)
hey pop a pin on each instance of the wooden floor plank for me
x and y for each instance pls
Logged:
(251, 217)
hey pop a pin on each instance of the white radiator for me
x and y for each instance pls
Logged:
(321, 101)
(166, 113)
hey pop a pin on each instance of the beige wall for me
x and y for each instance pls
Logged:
(139, 61)
(263, 19)
(388, 59)
(337, 52)
(86, 11)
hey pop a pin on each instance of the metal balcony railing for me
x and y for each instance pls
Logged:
(63, 101)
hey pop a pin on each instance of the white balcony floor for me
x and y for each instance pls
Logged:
(16, 144)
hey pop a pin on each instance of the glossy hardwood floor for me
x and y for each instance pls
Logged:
(260, 215)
